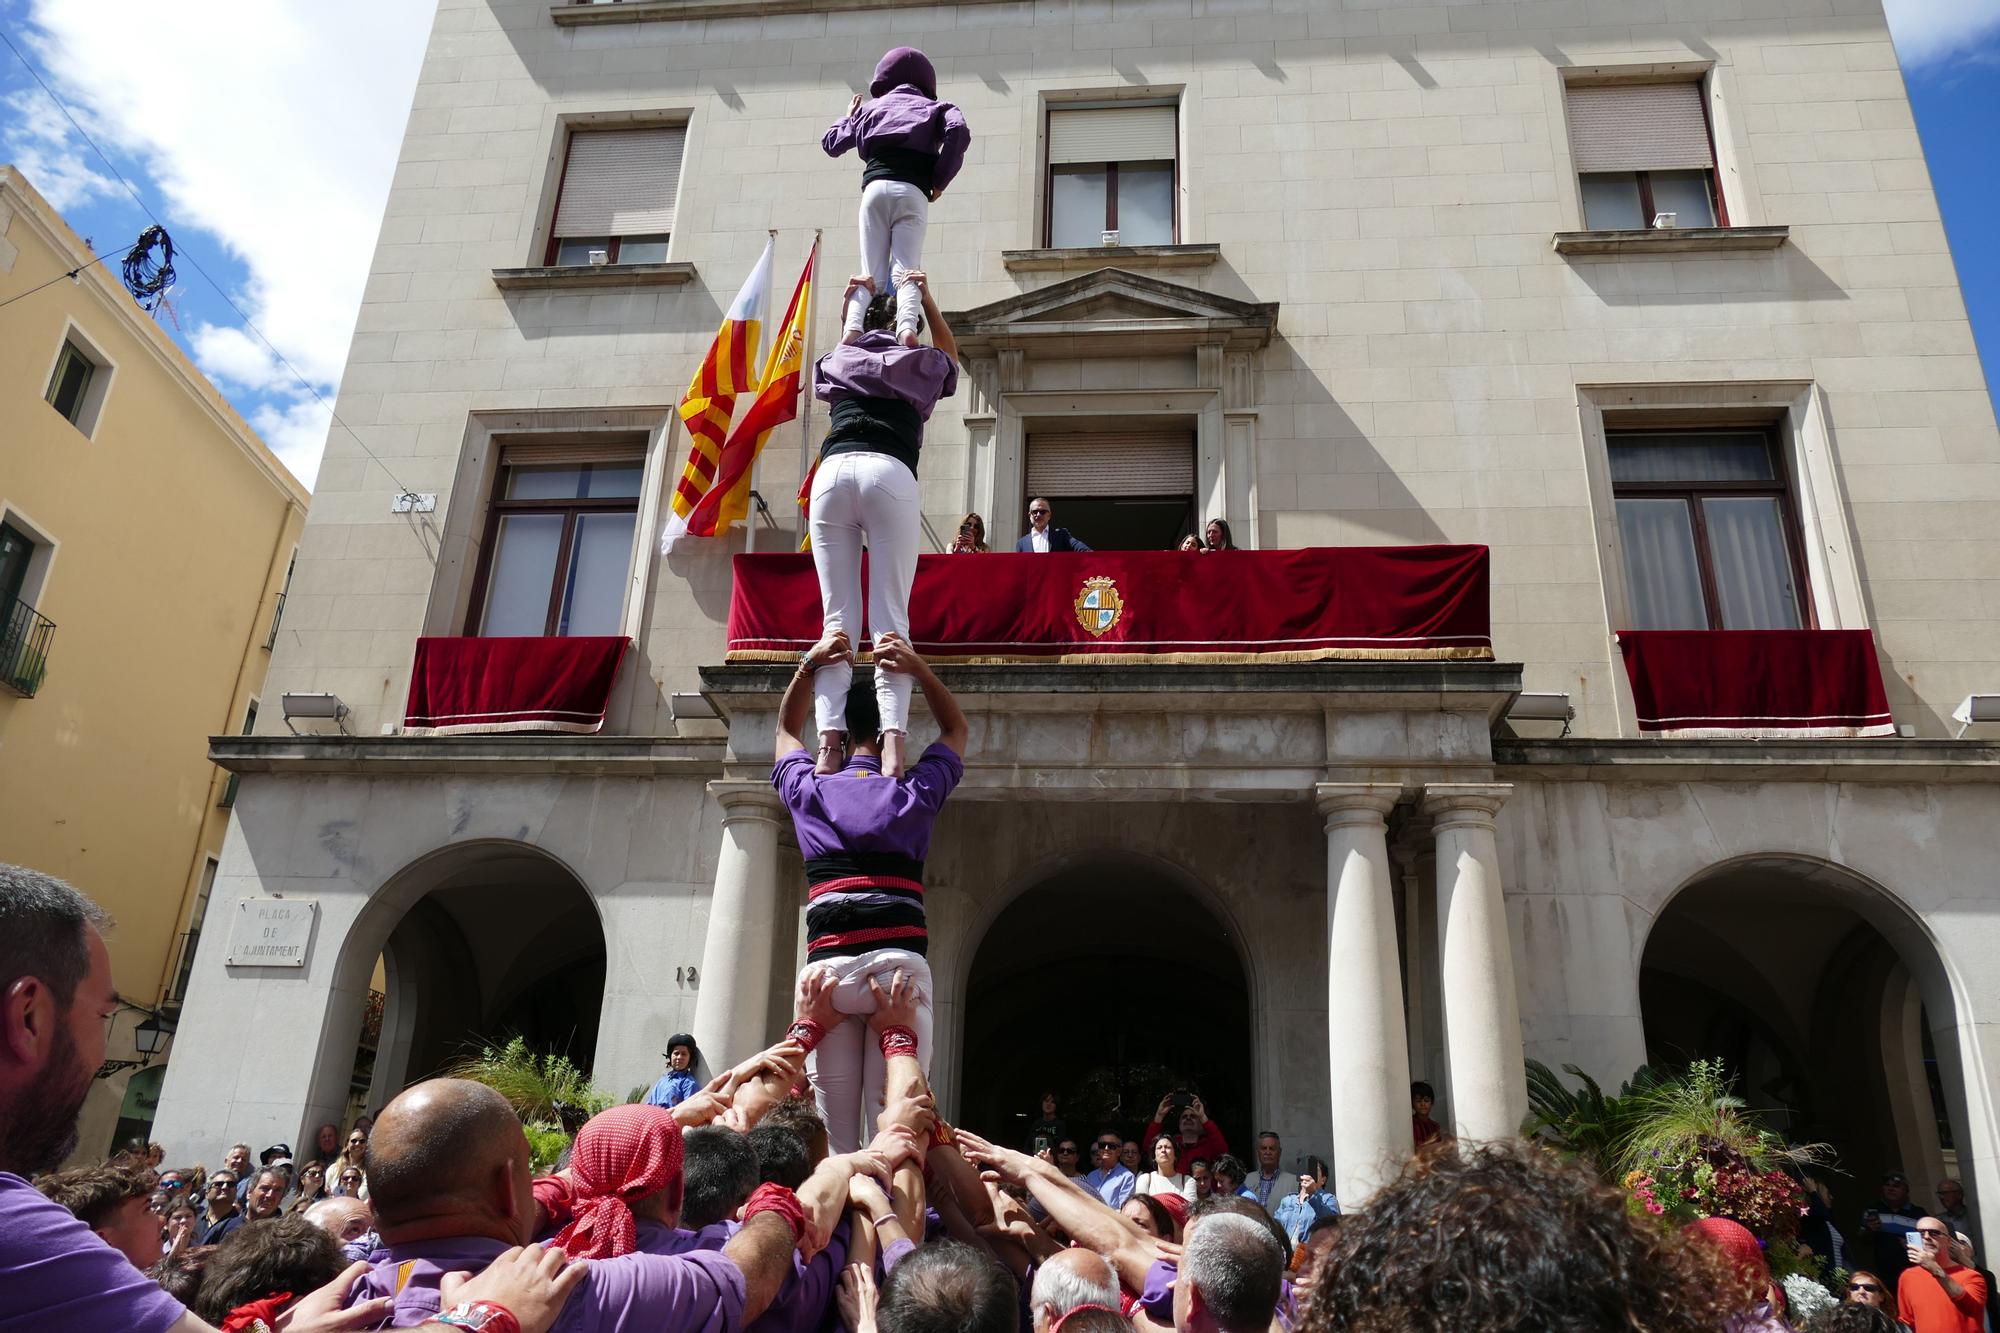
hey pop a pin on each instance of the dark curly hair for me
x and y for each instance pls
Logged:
(1506, 1238)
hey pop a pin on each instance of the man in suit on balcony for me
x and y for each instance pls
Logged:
(1042, 537)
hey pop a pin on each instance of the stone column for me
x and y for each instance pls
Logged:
(1370, 1062)
(730, 1018)
(1482, 1010)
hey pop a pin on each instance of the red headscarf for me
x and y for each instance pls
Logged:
(621, 1156)
(1744, 1253)
(1176, 1207)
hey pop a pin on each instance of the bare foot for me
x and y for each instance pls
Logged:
(832, 753)
(892, 754)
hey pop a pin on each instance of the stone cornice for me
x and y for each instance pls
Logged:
(403, 756)
(654, 11)
(1887, 759)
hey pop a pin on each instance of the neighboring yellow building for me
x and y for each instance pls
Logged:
(146, 537)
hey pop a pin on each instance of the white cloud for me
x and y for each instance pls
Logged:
(276, 129)
(1928, 31)
(232, 357)
(296, 431)
(40, 142)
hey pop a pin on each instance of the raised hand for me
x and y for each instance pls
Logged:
(1011, 1166)
(707, 1104)
(855, 105)
(833, 647)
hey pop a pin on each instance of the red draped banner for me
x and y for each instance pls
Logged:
(1355, 603)
(461, 687)
(1789, 682)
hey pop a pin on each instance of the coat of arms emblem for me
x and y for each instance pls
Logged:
(1098, 605)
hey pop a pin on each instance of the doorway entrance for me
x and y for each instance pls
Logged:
(1109, 983)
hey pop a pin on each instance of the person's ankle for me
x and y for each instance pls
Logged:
(832, 752)
(907, 337)
(894, 753)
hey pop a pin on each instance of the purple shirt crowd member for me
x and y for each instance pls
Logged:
(864, 837)
(911, 147)
(864, 494)
(450, 1185)
(55, 1273)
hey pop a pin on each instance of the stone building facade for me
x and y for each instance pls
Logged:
(1386, 275)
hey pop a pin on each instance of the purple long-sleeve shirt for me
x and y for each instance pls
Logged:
(875, 365)
(858, 810)
(905, 117)
(695, 1292)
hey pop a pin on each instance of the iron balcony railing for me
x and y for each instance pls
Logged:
(277, 618)
(25, 636)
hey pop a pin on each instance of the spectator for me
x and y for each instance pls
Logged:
(1887, 1224)
(267, 1195)
(352, 1155)
(1108, 1178)
(288, 1257)
(352, 1184)
(180, 1224)
(1937, 1292)
(326, 1142)
(679, 1082)
(1075, 1279)
(237, 1163)
(1272, 1184)
(1423, 1129)
(947, 1287)
(1231, 1275)
(1128, 1155)
(1200, 1136)
(221, 1216)
(351, 1224)
(1951, 1209)
(1050, 1126)
(1042, 537)
(311, 1187)
(1190, 545)
(1069, 1160)
(113, 1200)
(971, 538)
(1227, 1174)
(1307, 1258)
(1166, 1177)
(1307, 1204)
(1201, 1179)
(1150, 1216)
(1759, 1302)
(1505, 1237)
(1864, 1288)
(1217, 536)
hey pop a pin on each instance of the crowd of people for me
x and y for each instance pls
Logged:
(1043, 536)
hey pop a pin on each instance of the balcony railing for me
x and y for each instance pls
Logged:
(277, 619)
(25, 636)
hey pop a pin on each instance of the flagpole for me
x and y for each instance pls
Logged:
(805, 378)
(750, 519)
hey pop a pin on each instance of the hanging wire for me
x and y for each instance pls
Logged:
(71, 275)
(145, 208)
(145, 277)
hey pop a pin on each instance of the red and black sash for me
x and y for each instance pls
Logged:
(858, 901)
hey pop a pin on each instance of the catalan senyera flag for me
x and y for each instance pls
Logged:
(777, 402)
(710, 401)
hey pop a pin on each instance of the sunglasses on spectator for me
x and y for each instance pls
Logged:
(346, 1176)
(221, 1184)
(1067, 1148)
(1864, 1286)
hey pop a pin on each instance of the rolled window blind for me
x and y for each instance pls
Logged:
(1112, 134)
(571, 454)
(1639, 127)
(621, 182)
(1125, 463)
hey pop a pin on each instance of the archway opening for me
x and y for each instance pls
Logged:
(1110, 983)
(506, 944)
(1783, 971)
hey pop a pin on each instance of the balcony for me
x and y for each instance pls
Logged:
(277, 619)
(24, 648)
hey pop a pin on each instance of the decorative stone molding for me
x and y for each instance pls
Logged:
(1084, 259)
(1670, 240)
(649, 11)
(561, 277)
(1111, 312)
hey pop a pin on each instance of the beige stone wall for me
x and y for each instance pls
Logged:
(1391, 175)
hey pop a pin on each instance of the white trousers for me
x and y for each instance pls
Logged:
(857, 499)
(848, 1070)
(893, 217)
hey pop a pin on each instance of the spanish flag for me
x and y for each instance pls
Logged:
(777, 402)
(710, 400)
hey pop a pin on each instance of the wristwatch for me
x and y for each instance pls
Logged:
(484, 1315)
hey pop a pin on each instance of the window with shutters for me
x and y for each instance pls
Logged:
(1116, 490)
(557, 552)
(615, 203)
(1645, 156)
(78, 382)
(1113, 176)
(1710, 538)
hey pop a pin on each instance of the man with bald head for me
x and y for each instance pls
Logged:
(349, 1222)
(1070, 1280)
(448, 1177)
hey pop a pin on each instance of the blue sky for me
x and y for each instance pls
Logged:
(264, 133)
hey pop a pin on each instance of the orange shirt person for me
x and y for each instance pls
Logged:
(1937, 1293)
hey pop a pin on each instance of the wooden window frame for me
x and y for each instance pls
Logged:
(1691, 493)
(571, 510)
(72, 353)
(1110, 183)
(1713, 171)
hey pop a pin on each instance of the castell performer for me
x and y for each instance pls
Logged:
(911, 146)
(864, 837)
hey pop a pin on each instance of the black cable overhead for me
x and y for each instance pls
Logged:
(148, 279)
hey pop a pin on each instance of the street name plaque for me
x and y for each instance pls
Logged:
(272, 932)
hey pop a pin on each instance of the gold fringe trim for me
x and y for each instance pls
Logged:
(748, 655)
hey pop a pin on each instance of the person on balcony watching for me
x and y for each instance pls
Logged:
(1217, 536)
(1042, 537)
(864, 839)
(865, 493)
(971, 537)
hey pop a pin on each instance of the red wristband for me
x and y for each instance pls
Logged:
(807, 1033)
(486, 1316)
(897, 1040)
(777, 1199)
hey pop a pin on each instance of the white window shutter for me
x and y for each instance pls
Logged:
(1639, 127)
(621, 182)
(1125, 463)
(1112, 134)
